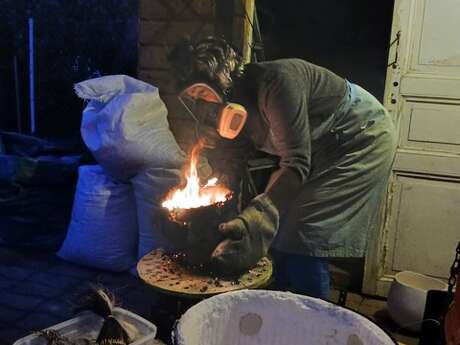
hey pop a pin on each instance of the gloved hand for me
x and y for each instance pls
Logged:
(247, 237)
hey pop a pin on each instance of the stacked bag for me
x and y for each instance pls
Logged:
(37, 185)
(116, 216)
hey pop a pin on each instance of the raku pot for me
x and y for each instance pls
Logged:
(201, 225)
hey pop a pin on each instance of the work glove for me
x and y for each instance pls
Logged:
(247, 237)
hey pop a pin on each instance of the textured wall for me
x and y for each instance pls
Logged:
(163, 22)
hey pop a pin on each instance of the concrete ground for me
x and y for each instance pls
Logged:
(38, 290)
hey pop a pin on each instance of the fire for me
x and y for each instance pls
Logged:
(193, 195)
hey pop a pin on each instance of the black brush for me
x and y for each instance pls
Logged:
(102, 303)
(96, 300)
(112, 333)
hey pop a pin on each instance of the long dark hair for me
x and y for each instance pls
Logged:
(210, 60)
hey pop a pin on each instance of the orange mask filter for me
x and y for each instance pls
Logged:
(227, 118)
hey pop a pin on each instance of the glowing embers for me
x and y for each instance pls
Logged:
(195, 195)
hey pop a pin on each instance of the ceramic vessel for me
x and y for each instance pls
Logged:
(202, 226)
(407, 298)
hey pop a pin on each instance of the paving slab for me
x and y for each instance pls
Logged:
(9, 315)
(39, 290)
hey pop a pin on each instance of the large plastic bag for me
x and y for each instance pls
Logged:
(37, 184)
(103, 229)
(29, 160)
(39, 171)
(125, 126)
(23, 145)
(150, 187)
(34, 217)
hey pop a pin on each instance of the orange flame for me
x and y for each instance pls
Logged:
(193, 195)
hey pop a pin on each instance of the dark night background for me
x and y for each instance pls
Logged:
(350, 37)
(74, 40)
(80, 39)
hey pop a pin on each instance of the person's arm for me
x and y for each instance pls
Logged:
(284, 102)
(282, 188)
(249, 235)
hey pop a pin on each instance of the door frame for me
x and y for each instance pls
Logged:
(375, 280)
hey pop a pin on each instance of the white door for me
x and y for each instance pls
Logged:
(421, 222)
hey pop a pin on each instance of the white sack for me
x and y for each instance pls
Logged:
(125, 126)
(150, 187)
(103, 229)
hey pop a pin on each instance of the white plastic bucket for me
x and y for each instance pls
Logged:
(260, 317)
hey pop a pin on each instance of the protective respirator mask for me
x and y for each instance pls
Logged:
(210, 110)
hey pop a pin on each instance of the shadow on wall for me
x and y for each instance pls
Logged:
(349, 37)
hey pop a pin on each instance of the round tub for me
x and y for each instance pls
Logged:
(260, 317)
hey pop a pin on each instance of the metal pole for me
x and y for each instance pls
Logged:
(17, 95)
(31, 76)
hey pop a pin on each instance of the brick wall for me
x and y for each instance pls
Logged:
(163, 22)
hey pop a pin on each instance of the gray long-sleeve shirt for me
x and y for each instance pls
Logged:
(291, 105)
